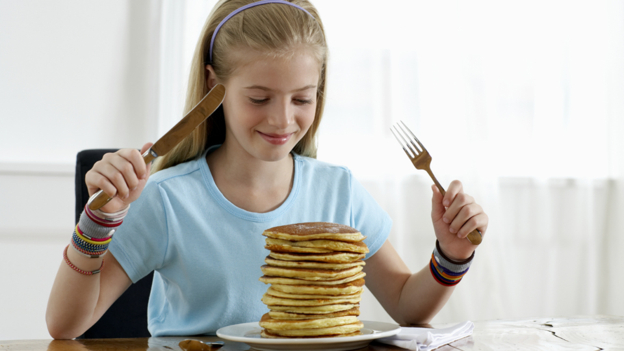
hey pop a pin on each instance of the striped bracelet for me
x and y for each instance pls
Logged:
(446, 271)
(72, 266)
(95, 230)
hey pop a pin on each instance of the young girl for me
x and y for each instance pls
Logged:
(199, 220)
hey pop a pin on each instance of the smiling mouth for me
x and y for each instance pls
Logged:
(276, 139)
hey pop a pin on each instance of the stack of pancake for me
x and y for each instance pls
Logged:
(315, 272)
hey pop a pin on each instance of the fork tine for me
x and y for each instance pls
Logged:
(407, 142)
(403, 145)
(415, 138)
(411, 140)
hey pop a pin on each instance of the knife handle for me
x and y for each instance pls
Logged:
(100, 198)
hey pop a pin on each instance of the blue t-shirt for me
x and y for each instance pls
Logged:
(207, 253)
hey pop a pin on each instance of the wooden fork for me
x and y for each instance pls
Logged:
(422, 160)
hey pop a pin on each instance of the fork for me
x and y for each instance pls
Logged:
(421, 159)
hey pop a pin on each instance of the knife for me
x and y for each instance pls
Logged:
(181, 130)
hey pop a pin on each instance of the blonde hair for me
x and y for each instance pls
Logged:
(274, 30)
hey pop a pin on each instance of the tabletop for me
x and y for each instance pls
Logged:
(600, 332)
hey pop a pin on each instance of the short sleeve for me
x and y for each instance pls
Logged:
(368, 217)
(140, 243)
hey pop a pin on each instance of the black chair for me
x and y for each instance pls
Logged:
(127, 317)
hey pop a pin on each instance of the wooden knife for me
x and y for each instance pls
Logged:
(181, 130)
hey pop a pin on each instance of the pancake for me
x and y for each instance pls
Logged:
(277, 293)
(314, 309)
(310, 274)
(294, 249)
(341, 329)
(290, 324)
(271, 301)
(313, 231)
(314, 265)
(289, 281)
(320, 245)
(288, 315)
(266, 334)
(333, 257)
(353, 287)
(316, 274)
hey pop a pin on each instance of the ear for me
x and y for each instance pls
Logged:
(211, 77)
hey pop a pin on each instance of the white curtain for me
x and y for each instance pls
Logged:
(520, 100)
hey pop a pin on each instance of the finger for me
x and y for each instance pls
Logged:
(477, 222)
(437, 209)
(126, 178)
(107, 177)
(465, 214)
(135, 160)
(462, 199)
(454, 188)
(121, 173)
(96, 181)
(145, 171)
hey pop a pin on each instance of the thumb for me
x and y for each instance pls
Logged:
(437, 208)
(143, 149)
(146, 147)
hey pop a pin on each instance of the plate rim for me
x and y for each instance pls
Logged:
(292, 341)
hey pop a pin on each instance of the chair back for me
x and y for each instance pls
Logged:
(127, 317)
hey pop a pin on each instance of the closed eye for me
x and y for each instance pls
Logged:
(258, 101)
(303, 102)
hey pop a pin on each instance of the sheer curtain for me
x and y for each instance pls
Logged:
(520, 100)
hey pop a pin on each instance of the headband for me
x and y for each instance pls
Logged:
(242, 8)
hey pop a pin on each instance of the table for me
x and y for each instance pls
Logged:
(599, 332)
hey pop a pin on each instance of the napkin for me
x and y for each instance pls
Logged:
(425, 339)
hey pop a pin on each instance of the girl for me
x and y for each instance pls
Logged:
(199, 220)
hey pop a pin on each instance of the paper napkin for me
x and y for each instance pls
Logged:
(425, 339)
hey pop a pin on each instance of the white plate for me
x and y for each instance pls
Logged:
(249, 333)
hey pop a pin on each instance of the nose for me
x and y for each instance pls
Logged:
(281, 115)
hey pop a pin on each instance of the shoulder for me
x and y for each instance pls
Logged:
(312, 166)
(182, 172)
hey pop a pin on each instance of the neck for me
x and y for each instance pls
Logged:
(249, 183)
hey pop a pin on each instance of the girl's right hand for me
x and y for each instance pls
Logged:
(121, 175)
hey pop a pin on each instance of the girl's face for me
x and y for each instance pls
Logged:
(270, 104)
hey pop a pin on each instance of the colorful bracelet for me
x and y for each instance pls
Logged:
(446, 271)
(86, 253)
(89, 247)
(72, 266)
(92, 240)
(97, 227)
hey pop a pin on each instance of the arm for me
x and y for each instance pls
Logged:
(77, 301)
(417, 298)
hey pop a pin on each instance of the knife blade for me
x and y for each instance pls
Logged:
(181, 130)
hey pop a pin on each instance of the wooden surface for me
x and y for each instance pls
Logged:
(574, 333)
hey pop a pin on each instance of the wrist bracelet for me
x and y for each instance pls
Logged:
(72, 266)
(446, 271)
(89, 254)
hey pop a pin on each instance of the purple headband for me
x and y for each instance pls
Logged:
(242, 8)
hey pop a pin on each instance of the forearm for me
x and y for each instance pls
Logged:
(422, 297)
(73, 298)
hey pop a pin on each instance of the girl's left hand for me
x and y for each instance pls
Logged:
(454, 216)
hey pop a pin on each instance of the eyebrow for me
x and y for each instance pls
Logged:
(311, 86)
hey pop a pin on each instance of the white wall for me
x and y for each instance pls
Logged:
(73, 75)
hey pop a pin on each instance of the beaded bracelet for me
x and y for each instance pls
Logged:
(87, 253)
(72, 266)
(92, 249)
(446, 271)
